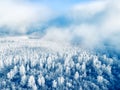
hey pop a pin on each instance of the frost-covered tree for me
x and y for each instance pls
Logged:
(68, 84)
(12, 72)
(41, 80)
(23, 79)
(61, 80)
(76, 76)
(31, 82)
(54, 84)
(100, 79)
(22, 70)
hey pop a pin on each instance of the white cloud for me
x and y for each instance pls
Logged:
(87, 10)
(88, 34)
(58, 34)
(111, 21)
(105, 26)
(19, 15)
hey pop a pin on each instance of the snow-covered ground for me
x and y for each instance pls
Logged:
(36, 64)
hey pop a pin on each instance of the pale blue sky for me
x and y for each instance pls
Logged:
(60, 5)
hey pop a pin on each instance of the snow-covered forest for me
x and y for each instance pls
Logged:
(30, 65)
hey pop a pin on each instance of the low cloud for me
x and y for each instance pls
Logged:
(93, 24)
(18, 16)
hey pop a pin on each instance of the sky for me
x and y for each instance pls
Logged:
(20, 14)
(89, 22)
